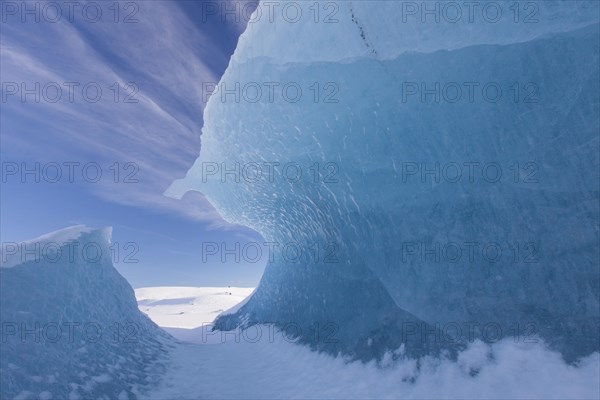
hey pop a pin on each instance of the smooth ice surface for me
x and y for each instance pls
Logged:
(544, 217)
(341, 31)
(70, 323)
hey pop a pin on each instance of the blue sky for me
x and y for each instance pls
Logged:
(125, 99)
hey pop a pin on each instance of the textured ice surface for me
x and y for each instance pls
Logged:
(544, 217)
(70, 323)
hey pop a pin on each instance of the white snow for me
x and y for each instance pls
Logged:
(261, 363)
(188, 307)
(15, 253)
(283, 370)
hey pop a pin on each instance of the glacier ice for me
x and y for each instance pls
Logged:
(71, 327)
(383, 212)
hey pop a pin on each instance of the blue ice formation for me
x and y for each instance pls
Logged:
(71, 327)
(446, 170)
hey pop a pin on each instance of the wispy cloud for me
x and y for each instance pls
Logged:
(166, 56)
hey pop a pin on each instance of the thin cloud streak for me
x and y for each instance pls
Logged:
(165, 55)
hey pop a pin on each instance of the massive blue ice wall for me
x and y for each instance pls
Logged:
(456, 171)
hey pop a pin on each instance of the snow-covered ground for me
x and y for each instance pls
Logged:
(263, 363)
(183, 311)
(187, 307)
